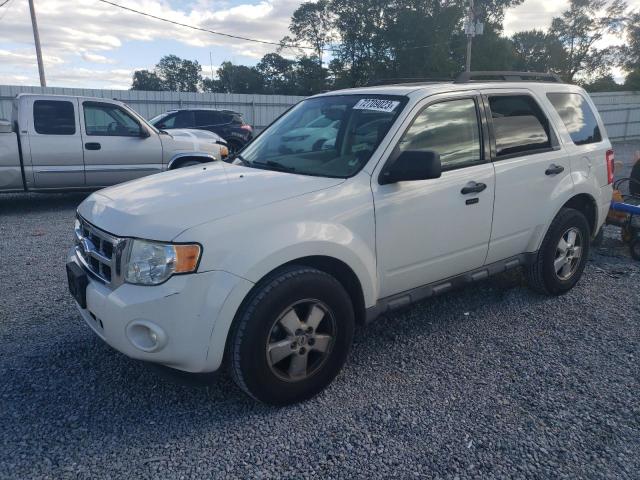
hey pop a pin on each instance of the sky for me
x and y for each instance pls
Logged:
(90, 44)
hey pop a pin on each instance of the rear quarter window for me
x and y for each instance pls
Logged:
(577, 116)
(54, 117)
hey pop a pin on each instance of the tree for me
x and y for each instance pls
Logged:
(239, 78)
(146, 80)
(312, 23)
(170, 73)
(537, 51)
(632, 82)
(277, 73)
(578, 30)
(179, 75)
(310, 77)
(630, 52)
(606, 83)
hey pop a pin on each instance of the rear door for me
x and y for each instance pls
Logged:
(533, 172)
(117, 147)
(55, 143)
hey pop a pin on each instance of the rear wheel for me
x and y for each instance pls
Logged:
(562, 256)
(292, 336)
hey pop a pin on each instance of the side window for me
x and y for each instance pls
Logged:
(206, 117)
(519, 125)
(109, 120)
(450, 128)
(577, 116)
(54, 117)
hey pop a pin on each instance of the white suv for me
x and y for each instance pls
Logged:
(266, 263)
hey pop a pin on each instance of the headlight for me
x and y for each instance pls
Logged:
(224, 151)
(151, 263)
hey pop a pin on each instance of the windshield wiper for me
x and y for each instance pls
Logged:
(273, 165)
(237, 156)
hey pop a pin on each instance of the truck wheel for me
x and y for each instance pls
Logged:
(562, 256)
(292, 336)
(634, 248)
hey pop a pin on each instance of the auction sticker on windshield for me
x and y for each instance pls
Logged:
(377, 104)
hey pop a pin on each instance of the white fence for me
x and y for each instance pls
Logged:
(258, 110)
(620, 110)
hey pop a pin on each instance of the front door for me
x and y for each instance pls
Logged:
(117, 148)
(429, 230)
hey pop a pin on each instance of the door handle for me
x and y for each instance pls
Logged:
(92, 146)
(554, 169)
(473, 187)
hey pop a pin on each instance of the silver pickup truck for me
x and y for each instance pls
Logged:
(57, 142)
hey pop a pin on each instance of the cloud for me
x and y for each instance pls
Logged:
(93, 30)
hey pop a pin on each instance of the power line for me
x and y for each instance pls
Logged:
(4, 3)
(193, 27)
(4, 12)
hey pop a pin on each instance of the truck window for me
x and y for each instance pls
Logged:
(577, 116)
(450, 128)
(54, 117)
(206, 117)
(108, 120)
(519, 125)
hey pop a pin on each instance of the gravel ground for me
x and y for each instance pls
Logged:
(488, 382)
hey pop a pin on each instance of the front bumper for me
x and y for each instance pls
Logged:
(170, 324)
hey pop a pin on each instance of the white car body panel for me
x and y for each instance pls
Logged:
(394, 238)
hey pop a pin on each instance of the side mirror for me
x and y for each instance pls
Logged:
(412, 165)
(144, 133)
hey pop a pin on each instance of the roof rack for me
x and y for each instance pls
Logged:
(506, 76)
(392, 81)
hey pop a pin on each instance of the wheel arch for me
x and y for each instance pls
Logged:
(586, 204)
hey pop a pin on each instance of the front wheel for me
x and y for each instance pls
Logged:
(562, 256)
(292, 336)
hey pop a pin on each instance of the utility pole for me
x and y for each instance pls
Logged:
(36, 39)
(470, 31)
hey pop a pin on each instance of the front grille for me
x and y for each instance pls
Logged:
(98, 251)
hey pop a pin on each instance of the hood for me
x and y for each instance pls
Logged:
(203, 135)
(161, 206)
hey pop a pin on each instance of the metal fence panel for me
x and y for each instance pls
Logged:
(620, 111)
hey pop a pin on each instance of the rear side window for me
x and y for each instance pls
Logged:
(206, 117)
(54, 117)
(577, 116)
(519, 125)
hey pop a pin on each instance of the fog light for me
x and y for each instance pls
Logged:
(146, 336)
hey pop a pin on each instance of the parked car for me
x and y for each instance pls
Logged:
(317, 134)
(228, 124)
(427, 187)
(57, 142)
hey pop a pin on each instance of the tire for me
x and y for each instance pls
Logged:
(234, 146)
(598, 239)
(275, 359)
(543, 275)
(634, 248)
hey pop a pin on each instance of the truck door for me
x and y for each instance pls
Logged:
(117, 147)
(428, 230)
(55, 145)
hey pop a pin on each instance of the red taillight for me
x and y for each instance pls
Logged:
(610, 166)
(246, 127)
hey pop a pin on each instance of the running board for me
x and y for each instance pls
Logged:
(404, 299)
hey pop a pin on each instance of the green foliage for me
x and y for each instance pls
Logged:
(171, 73)
(146, 80)
(632, 82)
(372, 40)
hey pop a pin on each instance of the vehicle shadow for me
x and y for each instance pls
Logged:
(23, 203)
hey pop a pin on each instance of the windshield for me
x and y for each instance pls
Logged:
(157, 118)
(331, 136)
